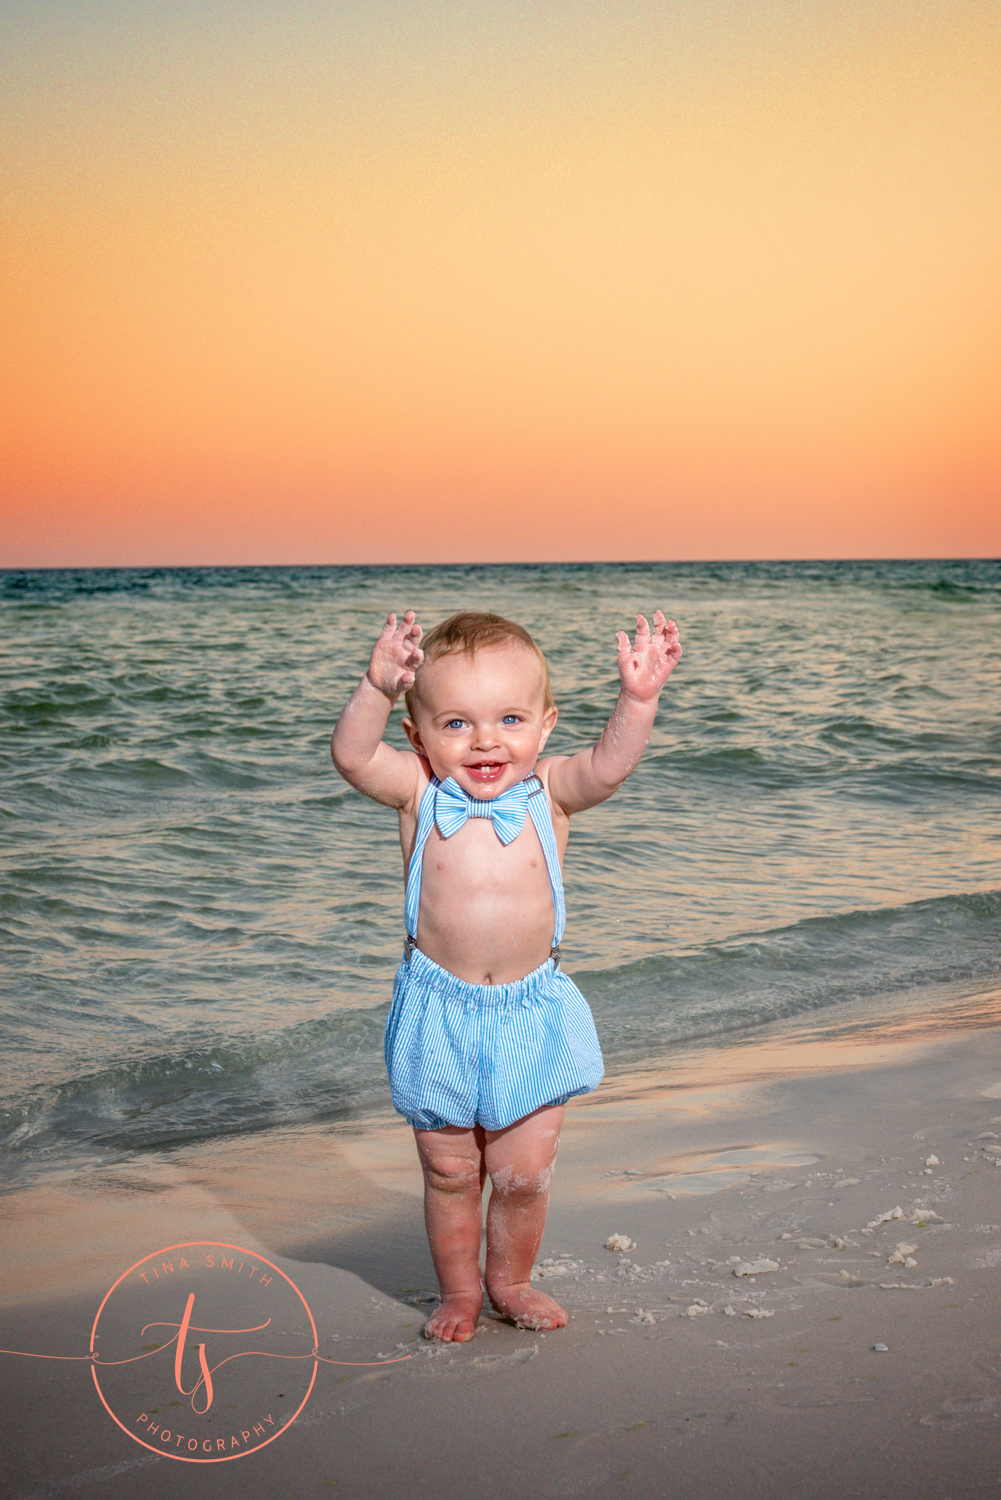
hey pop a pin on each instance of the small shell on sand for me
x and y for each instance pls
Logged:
(885, 1218)
(755, 1267)
(696, 1310)
(932, 1161)
(760, 1312)
(619, 1242)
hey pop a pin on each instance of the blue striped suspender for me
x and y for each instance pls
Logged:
(412, 906)
(538, 808)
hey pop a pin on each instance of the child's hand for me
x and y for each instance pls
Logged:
(645, 666)
(396, 656)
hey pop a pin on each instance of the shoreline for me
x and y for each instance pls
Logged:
(372, 1154)
(783, 1150)
(841, 1029)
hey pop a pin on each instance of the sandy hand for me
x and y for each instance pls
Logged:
(396, 656)
(646, 665)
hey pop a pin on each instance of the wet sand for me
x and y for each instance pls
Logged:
(729, 1351)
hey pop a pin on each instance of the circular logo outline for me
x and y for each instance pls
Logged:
(183, 1457)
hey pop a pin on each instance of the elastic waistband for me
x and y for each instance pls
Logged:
(518, 992)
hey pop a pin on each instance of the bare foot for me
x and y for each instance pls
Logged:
(526, 1307)
(454, 1321)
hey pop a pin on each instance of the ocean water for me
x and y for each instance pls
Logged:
(199, 922)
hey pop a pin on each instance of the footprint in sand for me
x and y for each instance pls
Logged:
(493, 1362)
(962, 1411)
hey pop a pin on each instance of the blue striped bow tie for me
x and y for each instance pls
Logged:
(452, 807)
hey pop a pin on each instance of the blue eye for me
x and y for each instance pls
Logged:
(455, 723)
(511, 719)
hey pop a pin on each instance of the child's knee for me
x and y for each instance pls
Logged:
(521, 1184)
(452, 1174)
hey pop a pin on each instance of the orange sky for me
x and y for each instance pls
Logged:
(399, 281)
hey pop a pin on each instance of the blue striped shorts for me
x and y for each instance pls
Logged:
(486, 1054)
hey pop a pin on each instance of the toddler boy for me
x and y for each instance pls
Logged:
(487, 1038)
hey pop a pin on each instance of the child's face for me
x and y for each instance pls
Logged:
(483, 718)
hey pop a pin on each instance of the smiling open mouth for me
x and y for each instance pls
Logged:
(486, 770)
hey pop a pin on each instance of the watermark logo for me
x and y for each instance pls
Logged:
(204, 1352)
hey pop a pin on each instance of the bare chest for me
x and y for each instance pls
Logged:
(475, 864)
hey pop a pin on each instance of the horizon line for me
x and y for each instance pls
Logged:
(15, 568)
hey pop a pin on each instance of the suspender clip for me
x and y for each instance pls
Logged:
(409, 944)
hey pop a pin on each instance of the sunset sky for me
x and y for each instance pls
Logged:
(321, 281)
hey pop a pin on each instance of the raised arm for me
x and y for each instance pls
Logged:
(357, 747)
(584, 780)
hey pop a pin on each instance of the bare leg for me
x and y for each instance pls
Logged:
(520, 1162)
(454, 1175)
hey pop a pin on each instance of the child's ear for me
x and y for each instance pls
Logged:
(413, 734)
(548, 724)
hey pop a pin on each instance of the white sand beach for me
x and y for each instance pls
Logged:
(791, 1205)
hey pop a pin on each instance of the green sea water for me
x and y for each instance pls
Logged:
(199, 922)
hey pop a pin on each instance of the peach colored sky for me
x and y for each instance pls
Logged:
(383, 280)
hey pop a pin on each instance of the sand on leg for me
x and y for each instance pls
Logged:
(454, 1175)
(520, 1163)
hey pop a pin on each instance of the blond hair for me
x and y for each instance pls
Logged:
(468, 632)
